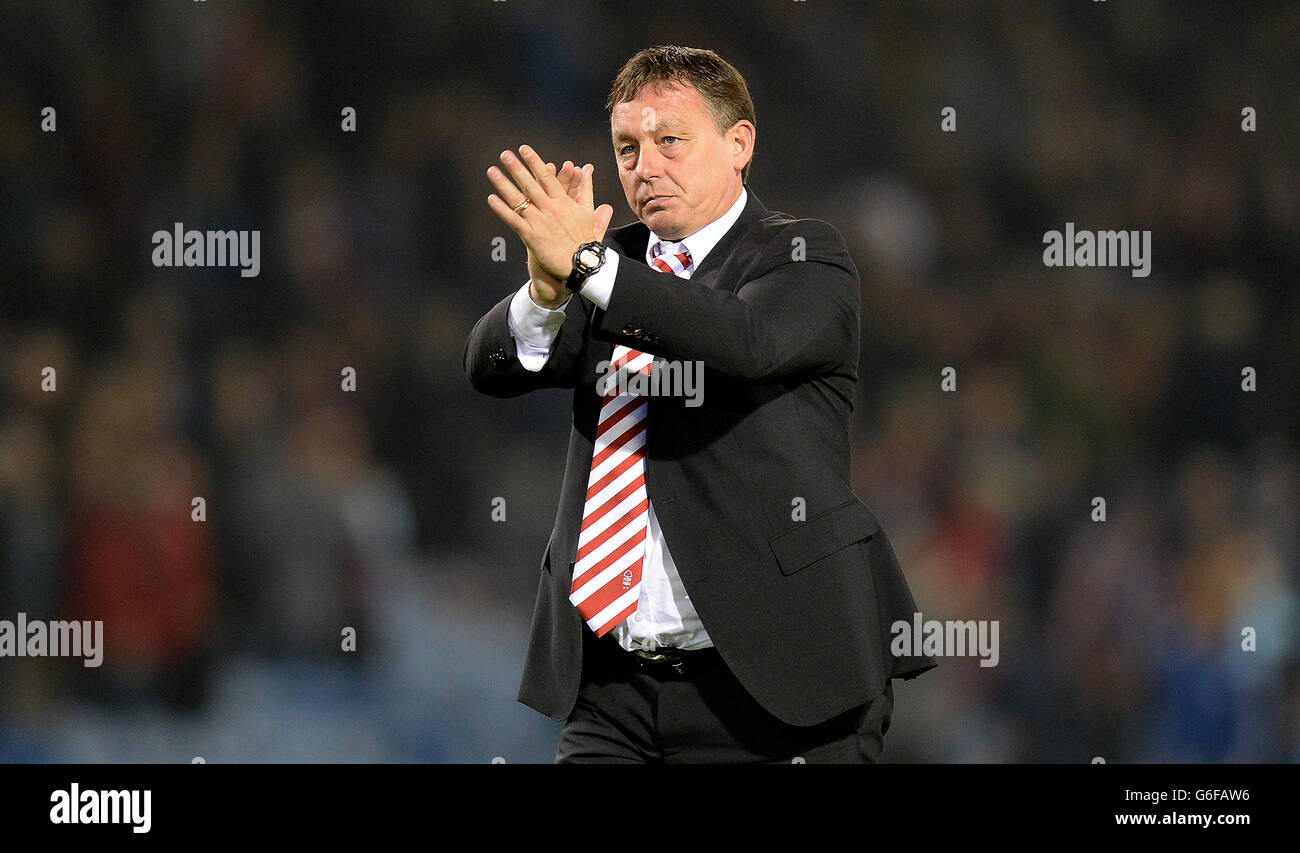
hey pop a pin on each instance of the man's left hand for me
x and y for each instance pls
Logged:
(557, 220)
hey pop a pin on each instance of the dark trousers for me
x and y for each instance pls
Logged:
(627, 713)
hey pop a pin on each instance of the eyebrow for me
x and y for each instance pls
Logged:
(668, 124)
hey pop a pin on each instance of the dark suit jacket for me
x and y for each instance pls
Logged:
(799, 610)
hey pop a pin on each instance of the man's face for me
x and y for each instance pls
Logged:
(678, 172)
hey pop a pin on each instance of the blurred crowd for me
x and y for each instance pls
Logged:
(372, 509)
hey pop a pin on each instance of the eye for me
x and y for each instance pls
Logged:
(666, 138)
(622, 152)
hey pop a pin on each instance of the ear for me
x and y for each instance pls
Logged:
(740, 140)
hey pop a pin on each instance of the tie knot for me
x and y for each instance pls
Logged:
(671, 257)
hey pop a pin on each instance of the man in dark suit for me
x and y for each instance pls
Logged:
(713, 590)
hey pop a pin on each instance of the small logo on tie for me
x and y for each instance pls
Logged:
(627, 579)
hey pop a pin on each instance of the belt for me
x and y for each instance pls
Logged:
(680, 662)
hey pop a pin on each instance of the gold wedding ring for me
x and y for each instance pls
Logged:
(519, 208)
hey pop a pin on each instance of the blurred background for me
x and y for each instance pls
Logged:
(373, 509)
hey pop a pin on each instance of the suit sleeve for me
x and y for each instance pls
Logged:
(790, 317)
(492, 363)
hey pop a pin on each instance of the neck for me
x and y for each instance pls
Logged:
(728, 199)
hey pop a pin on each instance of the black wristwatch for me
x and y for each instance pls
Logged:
(589, 258)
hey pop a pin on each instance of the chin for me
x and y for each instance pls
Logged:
(662, 225)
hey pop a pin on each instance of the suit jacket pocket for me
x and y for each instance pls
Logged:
(822, 536)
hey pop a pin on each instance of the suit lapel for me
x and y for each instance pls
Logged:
(706, 273)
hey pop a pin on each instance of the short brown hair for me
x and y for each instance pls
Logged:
(721, 85)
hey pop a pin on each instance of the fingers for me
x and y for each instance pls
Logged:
(522, 176)
(528, 176)
(504, 187)
(585, 188)
(568, 178)
(506, 213)
(534, 168)
(510, 193)
(564, 176)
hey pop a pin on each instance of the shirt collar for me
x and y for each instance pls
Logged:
(702, 241)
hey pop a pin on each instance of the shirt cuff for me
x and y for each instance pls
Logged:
(531, 323)
(600, 284)
(534, 329)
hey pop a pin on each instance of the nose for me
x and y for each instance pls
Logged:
(648, 163)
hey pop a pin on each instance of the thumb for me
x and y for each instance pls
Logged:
(604, 213)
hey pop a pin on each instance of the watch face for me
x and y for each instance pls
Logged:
(589, 258)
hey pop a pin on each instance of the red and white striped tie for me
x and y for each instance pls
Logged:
(611, 546)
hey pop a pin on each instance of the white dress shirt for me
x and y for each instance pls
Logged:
(665, 615)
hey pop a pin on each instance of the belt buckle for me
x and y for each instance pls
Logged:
(676, 661)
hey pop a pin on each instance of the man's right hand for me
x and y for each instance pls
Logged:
(545, 289)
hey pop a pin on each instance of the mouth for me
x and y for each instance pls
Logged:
(654, 199)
